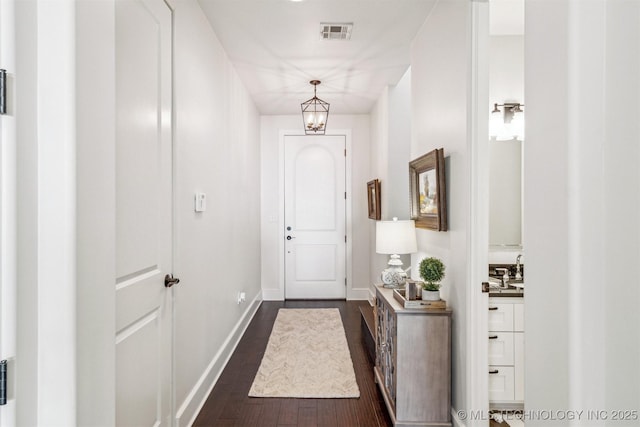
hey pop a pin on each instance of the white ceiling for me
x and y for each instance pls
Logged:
(276, 48)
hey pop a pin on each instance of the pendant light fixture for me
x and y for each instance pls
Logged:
(315, 113)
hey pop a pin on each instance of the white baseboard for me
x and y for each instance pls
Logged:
(358, 294)
(193, 403)
(354, 294)
(273, 295)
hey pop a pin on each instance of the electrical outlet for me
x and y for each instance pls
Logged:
(242, 297)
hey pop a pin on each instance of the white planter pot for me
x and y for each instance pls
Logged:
(430, 295)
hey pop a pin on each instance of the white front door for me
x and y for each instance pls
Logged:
(315, 224)
(143, 213)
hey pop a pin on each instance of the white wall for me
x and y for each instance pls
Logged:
(439, 90)
(581, 162)
(389, 158)
(217, 252)
(272, 200)
(506, 72)
(379, 160)
(399, 144)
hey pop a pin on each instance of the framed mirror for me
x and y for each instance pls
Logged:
(505, 194)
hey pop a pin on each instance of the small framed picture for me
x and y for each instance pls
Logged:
(373, 198)
(429, 191)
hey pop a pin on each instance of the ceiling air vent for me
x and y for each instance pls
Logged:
(336, 31)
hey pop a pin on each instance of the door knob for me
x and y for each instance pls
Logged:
(169, 281)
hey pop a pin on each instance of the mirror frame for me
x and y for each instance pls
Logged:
(433, 160)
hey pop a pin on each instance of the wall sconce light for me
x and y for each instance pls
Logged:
(507, 123)
(315, 113)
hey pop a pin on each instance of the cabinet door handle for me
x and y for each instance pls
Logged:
(493, 308)
(494, 372)
(493, 337)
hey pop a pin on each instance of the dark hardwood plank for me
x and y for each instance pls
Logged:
(327, 416)
(345, 414)
(233, 408)
(270, 412)
(308, 416)
(250, 415)
(288, 412)
(229, 404)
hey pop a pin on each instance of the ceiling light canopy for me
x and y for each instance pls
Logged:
(315, 113)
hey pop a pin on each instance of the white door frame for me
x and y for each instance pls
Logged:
(46, 202)
(348, 214)
(8, 236)
(478, 139)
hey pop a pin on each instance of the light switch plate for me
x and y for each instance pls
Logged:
(200, 202)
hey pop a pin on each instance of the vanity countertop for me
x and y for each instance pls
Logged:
(507, 292)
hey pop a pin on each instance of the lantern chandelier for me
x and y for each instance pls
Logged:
(315, 113)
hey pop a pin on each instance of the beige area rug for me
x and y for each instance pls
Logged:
(307, 356)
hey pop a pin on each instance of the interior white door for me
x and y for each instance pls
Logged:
(315, 223)
(143, 213)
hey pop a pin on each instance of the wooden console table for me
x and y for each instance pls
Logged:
(413, 362)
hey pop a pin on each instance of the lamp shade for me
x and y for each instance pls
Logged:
(396, 237)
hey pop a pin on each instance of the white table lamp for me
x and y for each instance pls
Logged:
(395, 238)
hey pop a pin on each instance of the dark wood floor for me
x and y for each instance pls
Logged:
(229, 405)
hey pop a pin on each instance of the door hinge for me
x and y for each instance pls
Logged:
(345, 152)
(345, 238)
(3, 91)
(345, 281)
(3, 382)
(345, 195)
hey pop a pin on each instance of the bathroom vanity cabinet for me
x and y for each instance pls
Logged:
(506, 352)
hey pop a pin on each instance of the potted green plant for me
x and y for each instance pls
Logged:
(432, 272)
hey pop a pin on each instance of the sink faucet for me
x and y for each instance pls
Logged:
(518, 273)
(505, 276)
